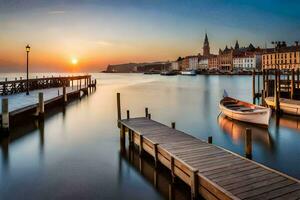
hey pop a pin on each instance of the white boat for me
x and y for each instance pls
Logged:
(189, 72)
(288, 106)
(246, 112)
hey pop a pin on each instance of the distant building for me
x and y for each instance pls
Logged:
(203, 62)
(185, 63)
(282, 57)
(193, 62)
(213, 61)
(247, 61)
(175, 65)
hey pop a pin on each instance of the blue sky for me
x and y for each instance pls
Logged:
(102, 32)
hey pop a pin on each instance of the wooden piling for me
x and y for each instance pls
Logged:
(146, 112)
(128, 115)
(122, 137)
(194, 184)
(209, 139)
(149, 116)
(119, 108)
(248, 143)
(293, 84)
(172, 167)
(253, 86)
(41, 105)
(155, 156)
(276, 97)
(5, 115)
(65, 98)
(141, 145)
(173, 125)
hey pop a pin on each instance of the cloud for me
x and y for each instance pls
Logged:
(56, 12)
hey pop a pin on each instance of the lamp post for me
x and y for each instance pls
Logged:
(27, 83)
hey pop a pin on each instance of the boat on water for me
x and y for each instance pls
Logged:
(168, 73)
(246, 112)
(288, 106)
(189, 72)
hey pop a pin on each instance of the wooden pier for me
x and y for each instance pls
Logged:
(209, 170)
(20, 85)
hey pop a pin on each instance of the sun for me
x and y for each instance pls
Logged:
(74, 61)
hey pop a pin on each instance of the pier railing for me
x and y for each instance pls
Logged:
(18, 86)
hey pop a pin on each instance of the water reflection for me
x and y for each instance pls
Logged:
(236, 130)
(291, 122)
(159, 177)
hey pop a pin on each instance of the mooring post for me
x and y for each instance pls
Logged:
(155, 155)
(149, 116)
(276, 98)
(16, 78)
(65, 98)
(5, 115)
(248, 143)
(293, 84)
(128, 115)
(141, 145)
(209, 139)
(172, 167)
(194, 184)
(253, 86)
(6, 79)
(298, 77)
(146, 112)
(173, 125)
(122, 138)
(119, 108)
(58, 92)
(41, 105)
(264, 78)
(267, 83)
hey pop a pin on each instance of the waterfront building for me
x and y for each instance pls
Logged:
(193, 62)
(175, 65)
(213, 61)
(282, 57)
(247, 61)
(203, 62)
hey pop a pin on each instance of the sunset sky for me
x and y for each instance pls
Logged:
(95, 33)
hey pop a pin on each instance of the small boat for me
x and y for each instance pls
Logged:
(246, 112)
(189, 72)
(288, 106)
(168, 73)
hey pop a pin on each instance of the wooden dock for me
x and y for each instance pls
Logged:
(211, 171)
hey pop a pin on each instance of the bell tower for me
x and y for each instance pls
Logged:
(206, 49)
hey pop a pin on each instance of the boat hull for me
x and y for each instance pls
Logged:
(260, 117)
(288, 106)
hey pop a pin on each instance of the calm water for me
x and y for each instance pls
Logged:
(75, 153)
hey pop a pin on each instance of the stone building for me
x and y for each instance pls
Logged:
(282, 57)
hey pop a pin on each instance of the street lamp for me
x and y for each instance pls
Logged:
(27, 84)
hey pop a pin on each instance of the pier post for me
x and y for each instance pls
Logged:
(122, 138)
(248, 143)
(146, 112)
(253, 86)
(209, 139)
(172, 167)
(276, 95)
(155, 155)
(5, 115)
(173, 125)
(293, 84)
(194, 184)
(264, 78)
(41, 105)
(298, 77)
(149, 116)
(65, 98)
(141, 145)
(119, 108)
(128, 115)
(58, 92)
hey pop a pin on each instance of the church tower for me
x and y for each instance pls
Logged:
(206, 49)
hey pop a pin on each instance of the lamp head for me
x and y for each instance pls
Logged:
(27, 48)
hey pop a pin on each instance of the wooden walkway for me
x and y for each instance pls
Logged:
(211, 171)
